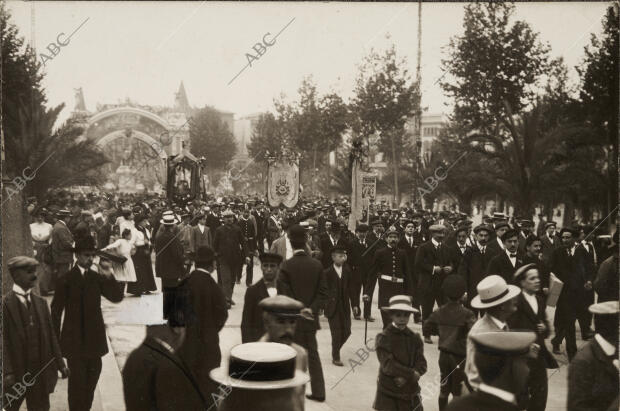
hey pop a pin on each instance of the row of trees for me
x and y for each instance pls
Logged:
(530, 137)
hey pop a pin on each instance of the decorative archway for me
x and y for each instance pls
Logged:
(128, 110)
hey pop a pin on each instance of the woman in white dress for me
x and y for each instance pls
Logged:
(41, 238)
(123, 272)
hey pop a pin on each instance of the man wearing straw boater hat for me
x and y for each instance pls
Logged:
(169, 258)
(593, 372)
(401, 356)
(498, 300)
(501, 358)
(82, 340)
(261, 376)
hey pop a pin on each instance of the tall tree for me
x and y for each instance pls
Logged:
(269, 135)
(210, 138)
(385, 98)
(503, 85)
(599, 96)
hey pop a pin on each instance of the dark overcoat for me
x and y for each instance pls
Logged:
(338, 306)
(252, 326)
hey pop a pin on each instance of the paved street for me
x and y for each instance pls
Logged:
(348, 388)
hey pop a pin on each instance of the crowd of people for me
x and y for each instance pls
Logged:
(483, 289)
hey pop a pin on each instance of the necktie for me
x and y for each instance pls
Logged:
(410, 241)
(26, 297)
(482, 250)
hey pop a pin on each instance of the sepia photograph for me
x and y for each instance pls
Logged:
(304, 205)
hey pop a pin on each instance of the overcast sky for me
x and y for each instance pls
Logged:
(143, 50)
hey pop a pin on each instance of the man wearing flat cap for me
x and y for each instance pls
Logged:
(201, 349)
(500, 358)
(280, 315)
(252, 327)
(83, 340)
(29, 342)
(593, 372)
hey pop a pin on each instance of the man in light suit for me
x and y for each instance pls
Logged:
(498, 299)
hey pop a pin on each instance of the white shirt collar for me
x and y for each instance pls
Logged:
(203, 270)
(338, 270)
(20, 290)
(497, 392)
(499, 241)
(435, 243)
(500, 324)
(531, 300)
(82, 269)
(607, 348)
(272, 291)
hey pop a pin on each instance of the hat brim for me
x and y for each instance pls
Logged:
(513, 291)
(168, 223)
(400, 307)
(220, 375)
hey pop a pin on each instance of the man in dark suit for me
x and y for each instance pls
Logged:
(301, 278)
(593, 372)
(338, 308)
(503, 370)
(473, 266)
(410, 243)
(62, 243)
(591, 266)
(248, 229)
(433, 264)
(506, 263)
(252, 326)
(375, 241)
(390, 269)
(533, 255)
(83, 341)
(169, 259)
(568, 263)
(495, 245)
(550, 241)
(200, 234)
(359, 261)
(530, 315)
(332, 237)
(201, 348)
(457, 249)
(177, 385)
(29, 342)
(231, 248)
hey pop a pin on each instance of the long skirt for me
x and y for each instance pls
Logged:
(145, 281)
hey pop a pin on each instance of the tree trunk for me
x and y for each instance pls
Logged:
(395, 171)
(16, 238)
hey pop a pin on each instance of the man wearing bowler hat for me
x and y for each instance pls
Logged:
(475, 260)
(302, 278)
(252, 327)
(498, 300)
(201, 349)
(509, 259)
(82, 340)
(30, 346)
(501, 358)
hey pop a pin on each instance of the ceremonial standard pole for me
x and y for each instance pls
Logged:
(418, 140)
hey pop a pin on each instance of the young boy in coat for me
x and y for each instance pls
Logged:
(451, 322)
(401, 357)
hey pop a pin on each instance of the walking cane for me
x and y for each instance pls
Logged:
(365, 298)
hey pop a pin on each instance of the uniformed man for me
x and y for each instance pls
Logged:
(248, 229)
(389, 268)
(501, 360)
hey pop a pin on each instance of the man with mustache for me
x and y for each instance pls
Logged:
(280, 315)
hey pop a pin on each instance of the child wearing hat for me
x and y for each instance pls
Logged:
(401, 357)
(451, 322)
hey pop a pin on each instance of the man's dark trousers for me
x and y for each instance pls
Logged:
(83, 377)
(307, 339)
